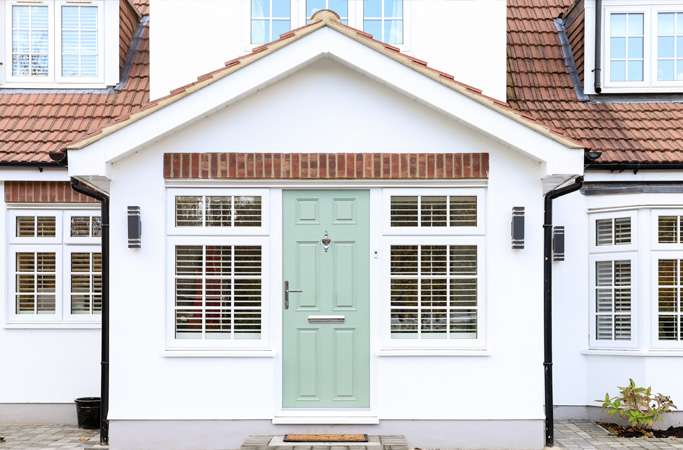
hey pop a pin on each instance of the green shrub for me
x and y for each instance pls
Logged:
(638, 405)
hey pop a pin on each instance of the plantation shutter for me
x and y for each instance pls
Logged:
(669, 308)
(613, 231)
(433, 211)
(613, 300)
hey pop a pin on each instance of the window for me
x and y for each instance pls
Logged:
(55, 41)
(386, 20)
(433, 272)
(643, 48)
(56, 266)
(613, 273)
(217, 268)
(667, 277)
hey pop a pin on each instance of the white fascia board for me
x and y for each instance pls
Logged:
(33, 174)
(89, 161)
(327, 42)
(627, 176)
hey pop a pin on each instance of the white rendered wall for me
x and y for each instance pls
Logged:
(42, 365)
(464, 38)
(290, 116)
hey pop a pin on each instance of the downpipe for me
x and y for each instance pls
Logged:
(104, 368)
(548, 303)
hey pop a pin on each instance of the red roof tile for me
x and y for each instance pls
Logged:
(539, 84)
(34, 124)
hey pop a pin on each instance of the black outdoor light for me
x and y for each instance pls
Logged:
(558, 243)
(134, 227)
(517, 226)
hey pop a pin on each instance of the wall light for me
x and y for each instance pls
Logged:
(134, 227)
(517, 227)
(558, 243)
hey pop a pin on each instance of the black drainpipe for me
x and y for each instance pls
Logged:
(548, 303)
(104, 369)
(597, 72)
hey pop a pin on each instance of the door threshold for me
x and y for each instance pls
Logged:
(278, 441)
(312, 418)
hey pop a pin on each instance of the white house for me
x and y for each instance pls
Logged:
(326, 233)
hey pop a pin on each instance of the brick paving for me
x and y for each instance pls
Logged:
(569, 435)
(47, 437)
(575, 435)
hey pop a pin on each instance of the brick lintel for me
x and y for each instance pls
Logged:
(324, 166)
(43, 192)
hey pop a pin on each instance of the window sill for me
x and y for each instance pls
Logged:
(219, 354)
(632, 353)
(53, 326)
(431, 352)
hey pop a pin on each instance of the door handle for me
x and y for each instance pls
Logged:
(287, 291)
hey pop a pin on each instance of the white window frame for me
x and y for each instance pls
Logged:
(594, 248)
(654, 304)
(595, 343)
(298, 20)
(654, 227)
(63, 248)
(54, 76)
(217, 344)
(66, 265)
(479, 342)
(650, 12)
(480, 194)
(217, 236)
(613, 253)
(173, 230)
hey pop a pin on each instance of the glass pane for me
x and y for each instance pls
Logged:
(280, 27)
(622, 273)
(393, 32)
(247, 260)
(679, 23)
(70, 42)
(665, 23)
(667, 229)
(404, 211)
(433, 211)
(281, 9)
(635, 71)
(188, 211)
(47, 227)
(679, 44)
(635, 48)
(96, 227)
(463, 260)
(260, 31)
(622, 327)
(39, 42)
(248, 211)
(618, 24)
(80, 226)
(88, 18)
(464, 211)
(80, 262)
(313, 6)
(665, 70)
(622, 231)
(463, 324)
(189, 260)
(433, 259)
(26, 226)
(70, 17)
(603, 273)
(635, 24)
(665, 47)
(20, 41)
(89, 42)
(679, 69)
(88, 66)
(393, 8)
(372, 8)
(668, 328)
(603, 327)
(218, 211)
(404, 259)
(260, 8)
(218, 260)
(341, 7)
(39, 65)
(20, 65)
(617, 47)
(20, 17)
(373, 27)
(463, 292)
(188, 324)
(603, 232)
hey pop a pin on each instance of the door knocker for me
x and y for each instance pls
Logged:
(326, 242)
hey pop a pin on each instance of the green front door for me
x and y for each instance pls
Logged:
(326, 328)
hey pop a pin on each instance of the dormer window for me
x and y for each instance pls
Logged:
(56, 42)
(642, 48)
(384, 19)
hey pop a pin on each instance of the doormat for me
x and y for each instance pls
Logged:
(326, 438)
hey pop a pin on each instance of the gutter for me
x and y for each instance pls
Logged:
(597, 71)
(635, 167)
(104, 369)
(548, 303)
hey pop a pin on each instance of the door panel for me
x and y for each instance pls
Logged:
(326, 365)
